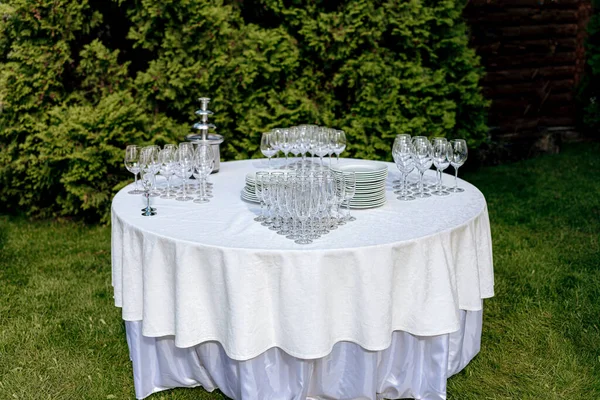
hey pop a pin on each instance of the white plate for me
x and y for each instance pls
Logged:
(366, 203)
(372, 205)
(361, 167)
(250, 199)
(367, 199)
(370, 188)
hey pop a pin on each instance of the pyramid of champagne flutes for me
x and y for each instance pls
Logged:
(419, 153)
(185, 161)
(305, 203)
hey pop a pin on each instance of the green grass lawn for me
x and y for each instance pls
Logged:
(62, 338)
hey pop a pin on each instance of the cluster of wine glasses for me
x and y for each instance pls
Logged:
(184, 161)
(420, 153)
(304, 204)
(301, 140)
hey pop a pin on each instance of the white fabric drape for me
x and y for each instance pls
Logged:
(411, 367)
(208, 273)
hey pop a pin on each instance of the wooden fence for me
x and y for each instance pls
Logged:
(534, 57)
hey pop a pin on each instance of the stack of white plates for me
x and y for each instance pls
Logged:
(249, 192)
(370, 182)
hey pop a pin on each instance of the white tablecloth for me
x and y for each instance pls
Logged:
(208, 272)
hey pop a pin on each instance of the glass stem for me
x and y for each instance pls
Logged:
(455, 177)
(439, 185)
(269, 163)
(337, 156)
(183, 187)
(136, 184)
(148, 200)
(421, 182)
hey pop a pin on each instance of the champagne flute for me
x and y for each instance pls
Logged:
(258, 185)
(349, 192)
(303, 207)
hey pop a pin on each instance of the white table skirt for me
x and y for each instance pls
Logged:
(412, 367)
(205, 273)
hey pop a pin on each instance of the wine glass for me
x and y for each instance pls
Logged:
(148, 160)
(285, 144)
(402, 153)
(203, 164)
(322, 144)
(267, 147)
(132, 163)
(155, 166)
(459, 156)
(167, 169)
(422, 157)
(190, 148)
(339, 143)
(185, 164)
(442, 154)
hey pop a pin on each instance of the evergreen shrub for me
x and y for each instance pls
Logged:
(81, 79)
(591, 83)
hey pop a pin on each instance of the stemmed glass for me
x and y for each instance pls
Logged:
(293, 137)
(442, 154)
(402, 153)
(459, 156)
(156, 166)
(321, 144)
(190, 148)
(422, 157)
(275, 188)
(132, 163)
(267, 187)
(338, 143)
(184, 165)
(303, 206)
(259, 181)
(349, 192)
(267, 147)
(340, 195)
(204, 161)
(285, 144)
(167, 169)
(303, 137)
(148, 161)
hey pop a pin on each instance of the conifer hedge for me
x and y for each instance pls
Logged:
(81, 79)
(591, 83)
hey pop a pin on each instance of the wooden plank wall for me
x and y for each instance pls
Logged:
(533, 54)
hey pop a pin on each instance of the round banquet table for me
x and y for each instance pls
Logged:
(387, 306)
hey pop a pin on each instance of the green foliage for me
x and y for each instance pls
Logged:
(591, 84)
(79, 80)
